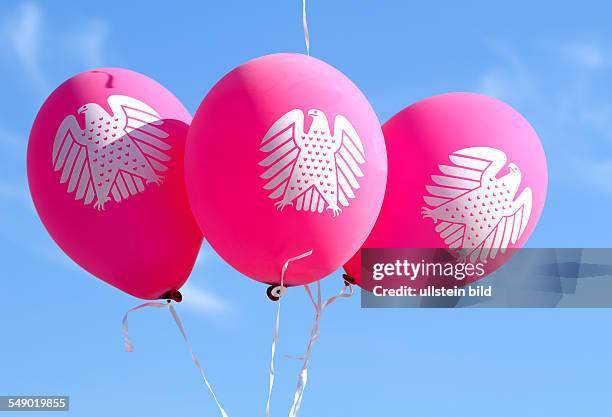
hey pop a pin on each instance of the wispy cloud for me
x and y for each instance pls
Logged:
(28, 34)
(23, 30)
(36, 47)
(566, 105)
(203, 301)
(88, 43)
(586, 55)
(510, 80)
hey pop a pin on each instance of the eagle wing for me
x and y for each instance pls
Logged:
(143, 125)
(348, 158)
(467, 170)
(509, 229)
(469, 167)
(280, 144)
(70, 157)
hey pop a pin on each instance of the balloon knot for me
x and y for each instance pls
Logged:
(173, 295)
(348, 280)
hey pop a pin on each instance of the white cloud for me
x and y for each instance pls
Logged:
(585, 55)
(28, 34)
(23, 31)
(203, 301)
(36, 47)
(88, 43)
(496, 83)
(567, 107)
(510, 80)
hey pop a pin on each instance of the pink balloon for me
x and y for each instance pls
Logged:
(105, 168)
(466, 173)
(285, 155)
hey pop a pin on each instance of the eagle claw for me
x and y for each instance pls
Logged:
(158, 179)
(426, 212)
(99, 205)
(462, 256)
(280, 205)
(337, 210)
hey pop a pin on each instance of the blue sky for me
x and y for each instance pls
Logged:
(61, 327)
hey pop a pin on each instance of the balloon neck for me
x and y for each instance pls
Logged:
(275, 292)
(173, 295)
(348, 280)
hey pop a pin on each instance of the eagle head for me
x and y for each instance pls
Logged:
(512, 179)
(319, 120)
(86, 108)
(91, 111)
(315, 113)
(515, 173)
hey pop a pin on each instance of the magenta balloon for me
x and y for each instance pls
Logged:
(468, 162)
(105, 169)
(285, 155)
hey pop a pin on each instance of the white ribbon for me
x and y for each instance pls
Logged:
(274, 342)
(277, 324)
(305, 24)
(346, 292)
(129, 347)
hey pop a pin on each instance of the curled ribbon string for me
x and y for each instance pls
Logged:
(277, 324)
(129, 347)
(346, 292)
(305, 24)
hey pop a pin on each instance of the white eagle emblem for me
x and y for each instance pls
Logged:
(313, 168)
(478, 213)
(114, 154)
